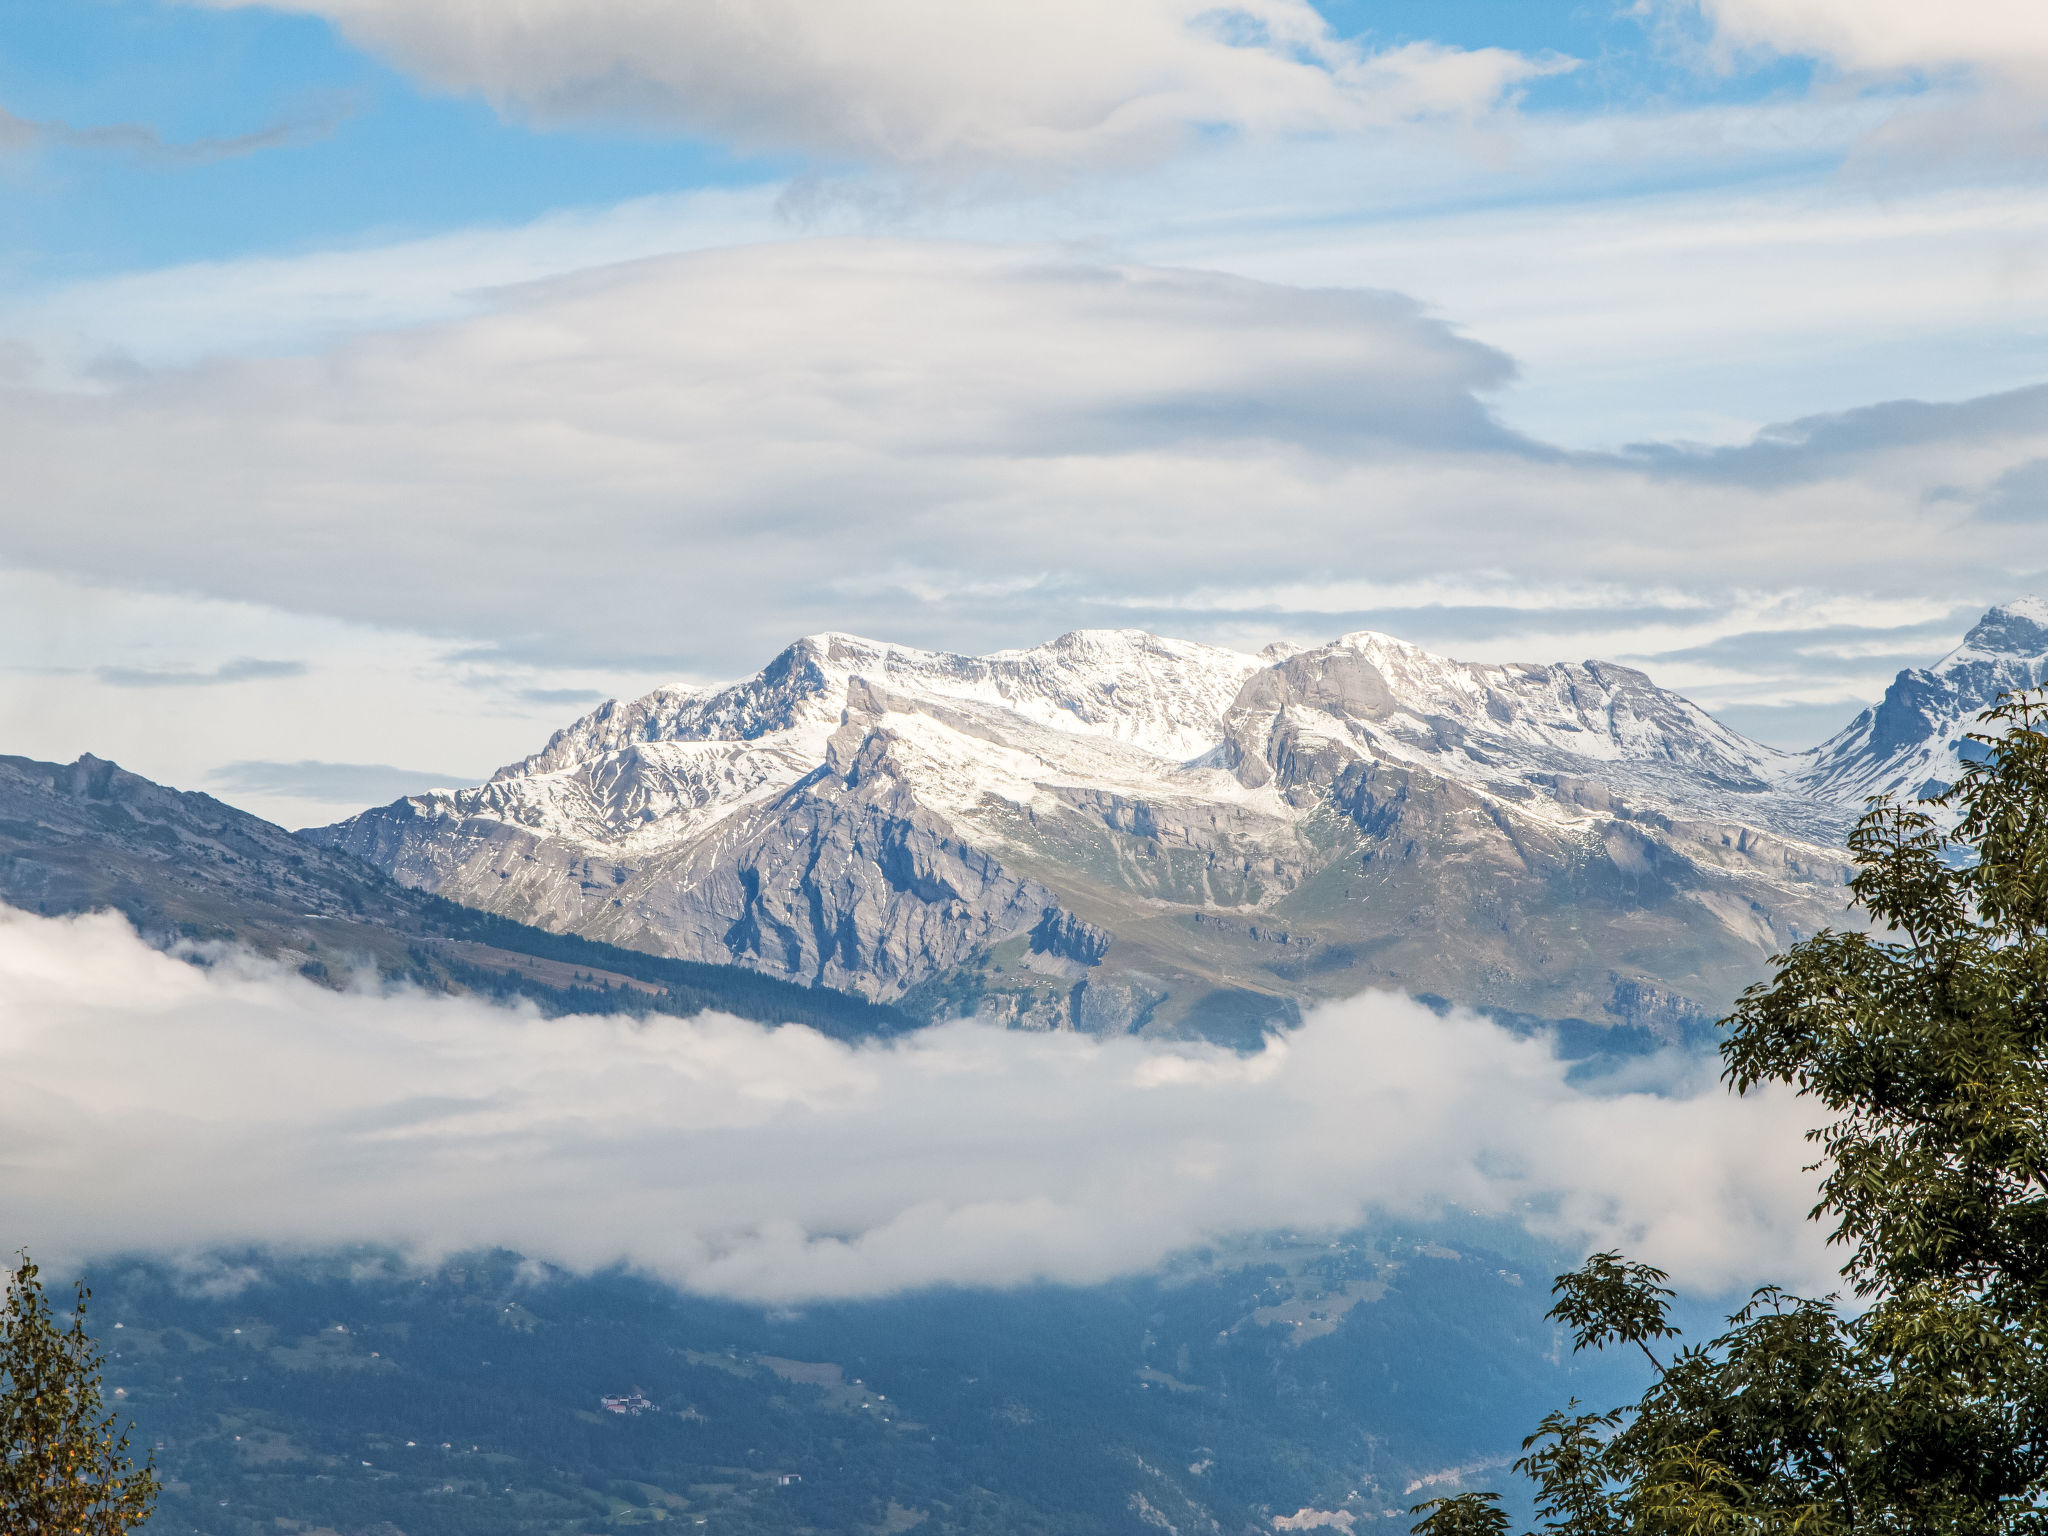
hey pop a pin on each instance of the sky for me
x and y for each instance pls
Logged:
(384, 382)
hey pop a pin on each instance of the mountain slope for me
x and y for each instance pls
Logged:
(1263, 1377)
(78, 837)
(1116, 831)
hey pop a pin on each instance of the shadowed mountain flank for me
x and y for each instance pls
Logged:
(190, 871)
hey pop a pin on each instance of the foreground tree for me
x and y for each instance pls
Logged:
(64, 1468)
(1926, 1409)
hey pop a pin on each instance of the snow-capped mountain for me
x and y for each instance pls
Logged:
(1117, 830)
(1163, 696)
(1513, 729)
(1909, 744)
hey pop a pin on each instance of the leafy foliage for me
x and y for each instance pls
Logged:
(63, 1467)
(1466, 1514)
(1609, 1300)
(1927, 1041)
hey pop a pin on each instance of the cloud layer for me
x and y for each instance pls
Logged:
(696, 458)
(925, 82)
(154, 1105)
(326, 783)
(1997, 36)
(750, 442)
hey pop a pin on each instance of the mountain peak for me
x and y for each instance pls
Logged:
(2017, 628)
(1910, 742)
(1079, 647)
(1083, 639)
(1376, 640)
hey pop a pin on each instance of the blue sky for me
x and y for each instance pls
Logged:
(403, 377)
(366, 155)
(364, 152)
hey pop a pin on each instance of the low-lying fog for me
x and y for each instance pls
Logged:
(153, 1105)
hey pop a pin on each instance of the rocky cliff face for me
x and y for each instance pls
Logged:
(1116, 831)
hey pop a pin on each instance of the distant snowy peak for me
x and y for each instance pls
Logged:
(2015, 629)
(673, 763)
(803, 686)
(1911, 742)
(1566, 716)
(1128, 714)
(1161, 696)
(1110, 709)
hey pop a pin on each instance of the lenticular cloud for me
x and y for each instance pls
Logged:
(152, 1104)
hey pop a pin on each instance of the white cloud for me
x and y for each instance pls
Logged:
(633, 459)
(1801, 293)
(1796, 298)
(153, 1105)
(692, 459)
(1997, 36)
(91, 334)
(1964, 77)
(926, 82)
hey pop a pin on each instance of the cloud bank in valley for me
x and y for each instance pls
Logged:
(153, 1105)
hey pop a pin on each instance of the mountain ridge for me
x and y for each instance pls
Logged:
(189, 870)
(1118, 831)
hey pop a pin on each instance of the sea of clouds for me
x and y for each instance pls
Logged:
(155, 1105)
